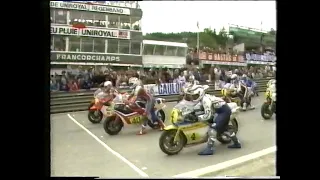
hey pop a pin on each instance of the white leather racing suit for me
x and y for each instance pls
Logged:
(273, 90)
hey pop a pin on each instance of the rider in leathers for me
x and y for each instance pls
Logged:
(191, 81)
(242, 91)
(212, 105)
(102, 92)
(149, 111)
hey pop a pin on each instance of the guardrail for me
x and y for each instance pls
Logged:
(79, 101)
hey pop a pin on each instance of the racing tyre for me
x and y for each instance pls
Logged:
(168, 146)
(266, 113)
(233, 127)
(161, 115)
(95, 116)
(111, 126)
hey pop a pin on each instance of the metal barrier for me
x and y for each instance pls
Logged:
(79, 101)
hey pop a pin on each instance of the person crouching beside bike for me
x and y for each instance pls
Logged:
(212, 105)
(149, 111)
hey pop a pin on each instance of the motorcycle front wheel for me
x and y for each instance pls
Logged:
(266, 113)
(168, 146)
(112, 126)
(95, 116)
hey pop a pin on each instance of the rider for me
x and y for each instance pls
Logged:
(191, 81)
(271, 86)
(212, 105)
(250, 84)
(241, 90)
(104, 90)
(141, 93)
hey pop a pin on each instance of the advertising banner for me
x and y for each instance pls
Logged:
(164, 89)
(222, 59)
(82, 6)
(95, 57)
(90, 32)
(264, 59)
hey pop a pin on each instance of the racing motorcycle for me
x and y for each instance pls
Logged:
(132, 114)
(95, 114)
(269, 106)
(99, 105)
(229, 97)
(186, 131)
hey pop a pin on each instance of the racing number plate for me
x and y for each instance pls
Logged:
(135, 120)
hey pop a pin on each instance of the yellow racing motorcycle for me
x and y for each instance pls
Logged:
(187, 131)
(229, 96)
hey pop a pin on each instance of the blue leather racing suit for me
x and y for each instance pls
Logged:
(211, 105)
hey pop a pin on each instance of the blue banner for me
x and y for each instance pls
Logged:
(169, 88)
(259, 57)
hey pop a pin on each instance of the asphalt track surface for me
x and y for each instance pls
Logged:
(75, 152)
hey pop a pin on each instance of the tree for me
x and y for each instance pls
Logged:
(207, 40)
(208, 37)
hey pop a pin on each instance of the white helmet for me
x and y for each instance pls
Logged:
(191, 78)
(107, 83)
(234, 76)
(195, 93)
(271, 82)
(133, 82)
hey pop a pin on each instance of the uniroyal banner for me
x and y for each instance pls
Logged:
(89, 7)
(90, 32)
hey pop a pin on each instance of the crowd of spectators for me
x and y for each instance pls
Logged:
(90, 78)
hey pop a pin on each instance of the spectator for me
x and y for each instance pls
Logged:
(181, 77)
(72, 85)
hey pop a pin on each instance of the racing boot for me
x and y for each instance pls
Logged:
(244, 107)
(209, 150)
(161, 124)
(142, 131)
(236, 142)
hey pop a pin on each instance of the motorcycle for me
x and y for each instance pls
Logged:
(95, 114)
(269, 107)
(98, 106)
(132, 114)
(187, 131)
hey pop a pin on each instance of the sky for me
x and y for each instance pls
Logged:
(179, 16)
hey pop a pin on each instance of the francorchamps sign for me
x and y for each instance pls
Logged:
(89, 7)
(95, 57)
(90, 32)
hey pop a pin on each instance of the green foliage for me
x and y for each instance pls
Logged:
(213, 39)
(208, 38)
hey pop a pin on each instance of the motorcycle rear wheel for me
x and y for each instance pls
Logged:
(111, 126)
(93, 118)
(233, 127)
(168, 148)
(266, 113)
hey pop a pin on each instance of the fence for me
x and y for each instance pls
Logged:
(79, 101)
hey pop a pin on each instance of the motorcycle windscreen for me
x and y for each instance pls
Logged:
(185, 107)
